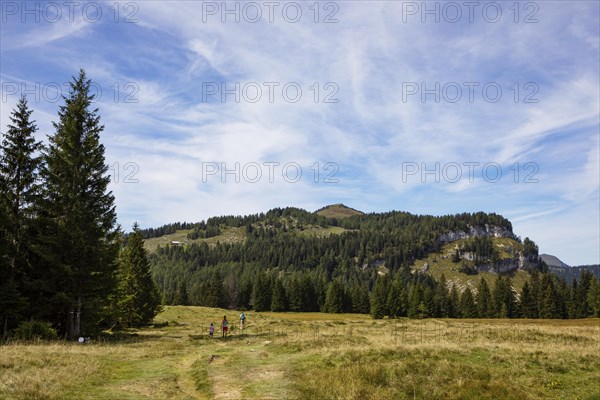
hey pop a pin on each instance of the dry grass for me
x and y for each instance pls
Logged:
(228, 235)
(309, 356)
(441, 263)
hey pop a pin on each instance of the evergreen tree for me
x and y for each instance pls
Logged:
(528, 302)
(181, 297)
(428, 303)
(19, 194)
(536, 294)
(379, 298)
(580, 294)
(593, 297)
(231, 287)
(453, 303)
(484, 300)
(359, 294)
(504, 298)
(397, 301)
(335, 299)
(79, 240)
(550, 306)
(215, 291)
(139, 300)
(468, 309)
(279, 298)
(261, 293)
(442, 306)
(295, 294)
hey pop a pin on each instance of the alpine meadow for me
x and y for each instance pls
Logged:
(279, 200)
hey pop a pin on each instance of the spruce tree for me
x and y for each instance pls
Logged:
(550, 306)
(454, 303)
(295, 298)
(484, 300)
(442, 306)
(528, 302)
(335, 299)
(19, 194)
(468, 309)
(215, 292)
(593, 297)
(139, 300)
(80, 238)
(279, 298)
(181, 297)
(261, 293)
(396, 301)
(379, 298)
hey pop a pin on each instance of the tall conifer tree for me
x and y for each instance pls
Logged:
(19, 194)
(139, 300)
(80, 237)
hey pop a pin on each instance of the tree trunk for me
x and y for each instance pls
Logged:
(5, 332)
(70, 323)
(77, 330)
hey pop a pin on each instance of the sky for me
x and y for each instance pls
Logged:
(220, 108)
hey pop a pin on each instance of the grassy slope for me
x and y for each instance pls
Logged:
(441, 263)
(228, 235)
(310, 356)
(232, 235)
(338, 211)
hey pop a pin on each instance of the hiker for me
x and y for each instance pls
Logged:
(211, 330)
(224, 326)
(242, 320)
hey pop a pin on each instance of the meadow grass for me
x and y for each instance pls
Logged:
(314, 356)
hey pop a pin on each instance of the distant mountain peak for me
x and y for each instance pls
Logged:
(553, 261)
(337, 211)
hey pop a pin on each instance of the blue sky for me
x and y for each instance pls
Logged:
(396, 106)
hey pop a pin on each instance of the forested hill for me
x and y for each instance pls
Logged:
(341, 260)
(292, 240)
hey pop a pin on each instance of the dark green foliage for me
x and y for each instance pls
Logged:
(550, 305)
(35, 330)
(530, 249)
(456, 256)
(468, 308)
(336, 298)
(483, 299)
(181, 297)
(19, 194)
(379, 298)
(442, 303)
(454, 303)
(528, 302)
(482, 248)
(279, 298)
(505, 305)
(593, 298)
(138, 298)
(397, 300)
(79, 242)
(13, 305)
(261, 293)
(468, 269)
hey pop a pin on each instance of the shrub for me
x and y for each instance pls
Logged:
(32, 330)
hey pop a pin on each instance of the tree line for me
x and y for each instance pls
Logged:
(398, 294)
(61, 256)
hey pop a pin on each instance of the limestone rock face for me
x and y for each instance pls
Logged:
(518, 261)
(477, 231)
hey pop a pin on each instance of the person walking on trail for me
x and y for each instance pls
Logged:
(242, 320)
(211, 330)
(224, 326)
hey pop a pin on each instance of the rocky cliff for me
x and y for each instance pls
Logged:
(477, 231)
